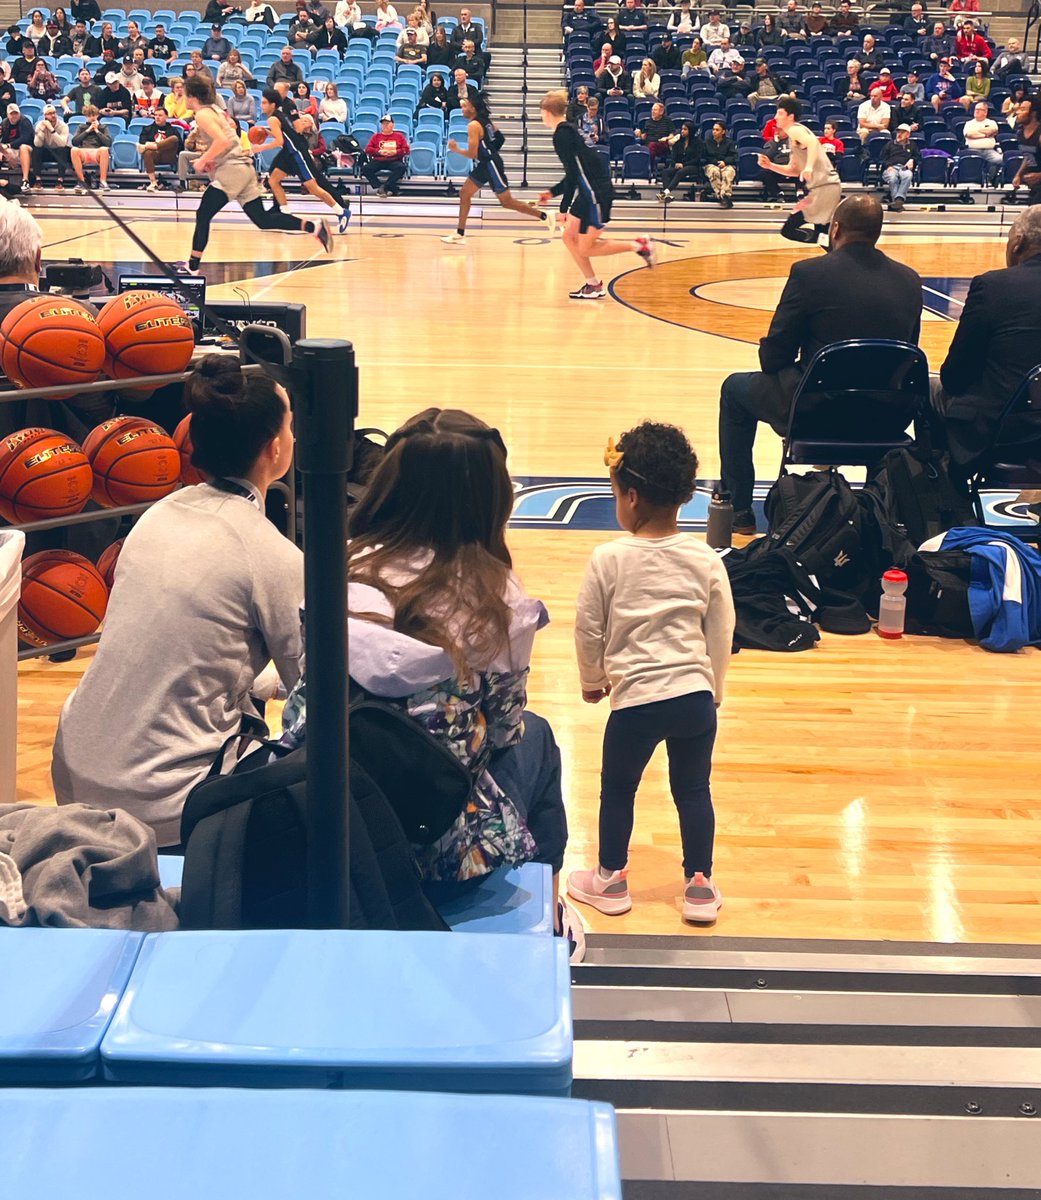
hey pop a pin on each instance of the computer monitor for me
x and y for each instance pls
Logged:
(186, 290)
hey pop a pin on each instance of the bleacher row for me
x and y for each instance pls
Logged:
(817, 73)
(367, 78)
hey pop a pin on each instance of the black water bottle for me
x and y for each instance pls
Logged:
(720, 530)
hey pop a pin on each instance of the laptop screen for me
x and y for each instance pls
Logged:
(193, 301)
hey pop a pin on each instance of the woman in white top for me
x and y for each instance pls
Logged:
(647, 83)
(233, 68)
(653, 631)
(332, 107)
(386, 15)
(413, 21)
(37, 29)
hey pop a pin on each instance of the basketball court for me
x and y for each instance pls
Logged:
(865, 789)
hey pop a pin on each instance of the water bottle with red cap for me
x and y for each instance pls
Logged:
(893, 605)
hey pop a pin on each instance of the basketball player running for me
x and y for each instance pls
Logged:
(232, 176)
(484, 142)
(810, 163)
(294, 157)
(586, 195)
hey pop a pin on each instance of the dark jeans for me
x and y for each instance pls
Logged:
(673, 175)
(687, 726)
(59, 155)
(395, 172)
(746, 398)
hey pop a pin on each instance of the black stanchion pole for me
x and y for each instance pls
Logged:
(325, 404)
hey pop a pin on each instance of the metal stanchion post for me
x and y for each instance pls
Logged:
(325, 403)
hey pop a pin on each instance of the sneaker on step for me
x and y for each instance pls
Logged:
(608, 893)
(571, 927)
(588, 291)
(454, 239)
(152, 187)
(646, 251)
(702, 900)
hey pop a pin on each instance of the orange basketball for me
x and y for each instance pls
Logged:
(107, 562)
(63, 596)
(257, 134)
(43, 474)
(145, 334)
(50, 340)
(183, 441)
(132, 460)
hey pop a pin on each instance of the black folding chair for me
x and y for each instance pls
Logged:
(1013, 458)
(855, 403)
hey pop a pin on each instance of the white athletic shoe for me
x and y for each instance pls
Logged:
(551, 221)
(588, 291)
(104, 185)
(702, 900)
(454, 239)
(608, 894)
(152, 187)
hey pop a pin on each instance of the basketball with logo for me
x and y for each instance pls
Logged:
(50, 340)
(106, 564)
(145, 333)
(133, 461)
(63, 596)
(43, 473)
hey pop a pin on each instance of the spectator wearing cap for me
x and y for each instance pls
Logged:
(387, 154)
(914, 87)
(744, 39)
(216, 48)
(714, 31)
(938, 44)
(412, 52)
(885, 81)
(129, 76)
(16, 142)
(614, 79)
(981, 133)
(766, 85)
(667, 57)
(873, 116)
(108, 67)
(24, 65)
(898, 162)
(51, 144)
(57, 42)
(942, 88)
(815, 24)
(116, 100)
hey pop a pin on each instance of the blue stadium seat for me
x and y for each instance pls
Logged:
(423, 159)
(748, 169)
(934, 169)
(619, 143)
(456, 165)
(124, 155)
(969, 168)
(636, 163)
(1010, 166)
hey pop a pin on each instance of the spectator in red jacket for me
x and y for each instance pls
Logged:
(387, 156)
(889, 89)
(833, 145)
(969, 45)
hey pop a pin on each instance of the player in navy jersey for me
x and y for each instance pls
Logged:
(585, 197)
(482, 149)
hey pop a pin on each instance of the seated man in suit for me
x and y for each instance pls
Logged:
(855, 291)
(998, 340)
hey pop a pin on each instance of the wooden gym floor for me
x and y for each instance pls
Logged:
(863, 790)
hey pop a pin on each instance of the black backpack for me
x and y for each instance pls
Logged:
(245, 861)
(938, 594)
(816, 519)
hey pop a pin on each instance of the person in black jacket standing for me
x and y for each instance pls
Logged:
(853, 292)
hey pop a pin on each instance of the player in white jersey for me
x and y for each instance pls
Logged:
(810, 163)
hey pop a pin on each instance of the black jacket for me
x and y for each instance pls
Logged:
(997, 341)
(724, 151)
(472, 34)
(84, 10)
(853, 292)
(668, 58)
(895, 155)
(474, 67)
(605, 82)
(689, 154)
(440, 56)
(433, 97)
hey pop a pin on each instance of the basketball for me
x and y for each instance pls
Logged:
(183, 441)
(257, 135)
(133, 460)
(63, 596)
(107, 562)
(43, 474)
(145, 334)
(50, 340)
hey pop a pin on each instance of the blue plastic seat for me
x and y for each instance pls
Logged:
(422, 159)
(269, 1145)
(636, 163)
(124, 155)
(513, 900)
(59, 988)
(358, 1008)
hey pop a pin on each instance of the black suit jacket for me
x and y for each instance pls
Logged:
(998, 340)
(472, 33)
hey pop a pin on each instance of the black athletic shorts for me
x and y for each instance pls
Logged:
(591, 213)
(490, 173)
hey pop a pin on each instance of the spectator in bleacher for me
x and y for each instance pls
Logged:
(845, 20)
(725, 57)
(688, 157)
(301, 30)
(387, 17)
(202, 67)
(440, 52)
(24, 65)
(79, 38)
(854, 291)
(815, 24)
(467, 30)
(776, 149)
(614, 80)
(714, 31)
(15, 41)
(766, 85)
(995, 345)
(149, 99)
(463, 88)
(219, 11)
(260, 13)
(284, 69)
(656, 133)
(471, 62)
(108, 67)
(85, 10)
(647, 82)
(1028, 136)
(869, 55)
(590, 123)
(980, 134)
(116, 100)
(242, 107)
(42, 84)
(162, 47)
(908, 112)
(84, 92)
(306, 104)
(9, 96)
(176, 102)
(129, 77)
(721, 165)
(790, 22)
(942, 88)
(333, 106)
(328, 37)
(873, 116)
(600, 64)
(16, 142)
(769, 34)
(50, 144)
(916, 23)
(615, 38)
(90, 146)
(632, 17)
(414, 22)
(889, 90)
(159, 142)
(106, 40)
(581, 20)
(667, 57)
(216, 47)
(898, 161)
(1011, 104)
(744, 39)
(832, 143)
(233, 69)
(977, 85)
(963, 6)
(970, 45)
(682, 20)
(694, 58)
(939, 44)
(1008, 62)
(914, 88)
(134, 40)
(387, 163)
(144, 68)
(57, 43)
(36, 30)
(434, 95)
(61, 19)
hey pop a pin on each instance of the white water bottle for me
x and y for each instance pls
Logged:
(892, 607)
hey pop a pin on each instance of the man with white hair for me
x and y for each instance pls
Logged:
(51, 144)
